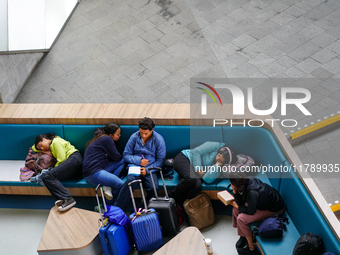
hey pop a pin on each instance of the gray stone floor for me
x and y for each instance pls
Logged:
(146, 51)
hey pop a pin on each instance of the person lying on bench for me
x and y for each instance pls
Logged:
(68, 166)
(185, 163)
(254, 201)
(145, 148)
(103, 163)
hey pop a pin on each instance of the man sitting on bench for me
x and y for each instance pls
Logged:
(145, 148)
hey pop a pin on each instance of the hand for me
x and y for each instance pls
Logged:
(234, 204)
(142, 171)
(144, 162)
(201, 173)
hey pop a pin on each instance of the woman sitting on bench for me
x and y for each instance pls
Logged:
(103, 163)
(185, 163)
(254, 201)
(69, 163)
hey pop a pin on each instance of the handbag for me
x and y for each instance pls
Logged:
(115, 215)
(272, 227)
(26, 174)
(200, 211)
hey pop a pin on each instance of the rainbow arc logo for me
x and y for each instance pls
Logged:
(204, 97)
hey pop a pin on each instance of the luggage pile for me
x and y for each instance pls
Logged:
(145, 227)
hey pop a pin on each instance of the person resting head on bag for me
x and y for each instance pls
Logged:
(193, 165)
(35, 163)
(224, 161)
(69, 165)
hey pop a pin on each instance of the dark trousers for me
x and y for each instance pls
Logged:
(70, 168)
(190, 185)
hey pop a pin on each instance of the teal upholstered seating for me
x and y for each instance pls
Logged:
(256, 142)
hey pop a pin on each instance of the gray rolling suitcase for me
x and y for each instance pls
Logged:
(166, 208)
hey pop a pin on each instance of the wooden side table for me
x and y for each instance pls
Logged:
(74, 231)
(188, 242)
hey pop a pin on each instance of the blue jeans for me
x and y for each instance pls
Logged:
(109, 177)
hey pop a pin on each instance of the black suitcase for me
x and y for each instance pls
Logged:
(166, 207)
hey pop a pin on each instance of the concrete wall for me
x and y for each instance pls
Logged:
(15, 69)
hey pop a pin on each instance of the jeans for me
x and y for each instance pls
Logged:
(187, 187)
(109, 177)
(70, 168)
(115, 167)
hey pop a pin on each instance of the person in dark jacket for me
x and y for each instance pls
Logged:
(103, 163)
(254, 201)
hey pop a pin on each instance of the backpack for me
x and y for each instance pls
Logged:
(115, 215)
(272, 227)
(167, 169)
(309, 244)
(37, 161)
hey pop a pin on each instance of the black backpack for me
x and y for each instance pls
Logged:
(309, 244)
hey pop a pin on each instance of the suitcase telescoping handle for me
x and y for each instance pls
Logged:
(132, 197)
(99, 186)
(153, 183)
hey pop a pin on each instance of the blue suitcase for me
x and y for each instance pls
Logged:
(114, 238)
(145, 225)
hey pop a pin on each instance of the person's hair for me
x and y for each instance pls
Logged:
(109, 129)
(228, 154)
(239, 180)
(146, 123)
(40, 137)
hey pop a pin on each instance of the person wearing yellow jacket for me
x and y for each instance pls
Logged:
(69, 165)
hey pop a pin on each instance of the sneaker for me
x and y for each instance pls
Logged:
(241, 242)
(59, 202)
(108, 192)
(67, 204)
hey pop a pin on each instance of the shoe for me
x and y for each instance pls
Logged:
(59, 202)
(246, 251)
(108, 192)
(67, 204)
(96, 209)
(241, 242)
